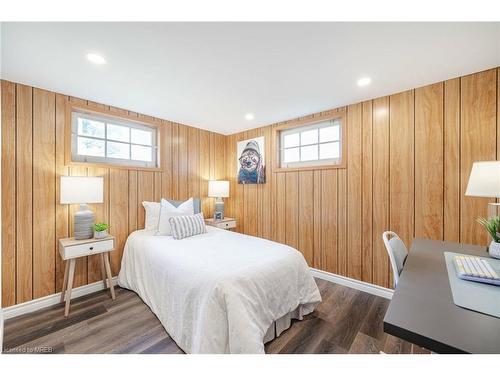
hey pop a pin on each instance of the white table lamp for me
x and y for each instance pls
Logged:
(82, 190)
(484, 181)
(218, 190)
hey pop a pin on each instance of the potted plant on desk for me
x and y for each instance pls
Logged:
(101, 230)
(492, 225)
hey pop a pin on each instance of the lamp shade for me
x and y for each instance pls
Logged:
(81, 189)
(218, 189)
(484, 180)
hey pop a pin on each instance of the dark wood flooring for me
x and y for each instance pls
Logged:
(347, 321)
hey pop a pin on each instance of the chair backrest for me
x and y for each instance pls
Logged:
(397, 253)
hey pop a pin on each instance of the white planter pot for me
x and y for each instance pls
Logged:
(101, 234)
(494, 249)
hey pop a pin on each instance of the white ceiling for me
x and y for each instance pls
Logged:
(210, 75)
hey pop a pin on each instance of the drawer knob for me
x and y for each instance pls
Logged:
(91, 248)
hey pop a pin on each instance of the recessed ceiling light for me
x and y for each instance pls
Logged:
(96, 59)
(249, 116)
(365, 81)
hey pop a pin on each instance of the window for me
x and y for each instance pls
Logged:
(316, 144)
(97, 138)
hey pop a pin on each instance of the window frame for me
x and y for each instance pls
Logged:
(303, 123)
(125, 119)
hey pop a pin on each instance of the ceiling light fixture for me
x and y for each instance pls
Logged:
(365, 81)
(96, 58)
(249, 117)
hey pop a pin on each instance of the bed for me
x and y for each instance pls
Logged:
(219, 292)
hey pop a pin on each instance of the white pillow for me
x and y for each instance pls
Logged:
(168, 210)
(152, 215)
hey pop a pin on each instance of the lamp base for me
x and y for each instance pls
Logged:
(84, 223)
(219, 207)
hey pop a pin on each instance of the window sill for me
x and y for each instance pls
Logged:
(113, 166)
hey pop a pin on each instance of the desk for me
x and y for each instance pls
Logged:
(422, 309)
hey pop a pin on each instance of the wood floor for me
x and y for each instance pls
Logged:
(347, 321)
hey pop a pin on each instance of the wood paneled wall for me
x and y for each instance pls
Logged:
(409, 157)
(408, 161)
(33, 125)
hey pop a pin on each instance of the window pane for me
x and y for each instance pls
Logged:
(330, 133)
(291, 140)
(90, 127)
(329, 150)
(142, 153)
(309, 137)
(308, 153)
(118, 133)
(90, 147)
(143, 137)
(118, 150)
(291, 155)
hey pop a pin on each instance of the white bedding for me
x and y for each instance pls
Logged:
(218, 292)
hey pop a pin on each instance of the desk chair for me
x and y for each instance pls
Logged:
(397, 253)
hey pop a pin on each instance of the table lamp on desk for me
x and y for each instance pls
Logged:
(484, 181)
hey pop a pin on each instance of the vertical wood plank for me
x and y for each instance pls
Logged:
(381, 200)
(132, 201)
(367, 192)
(291, 209)
(62, 210)
(402, 180)
(101, 212)
(452, 160)
(280, 199)
(166, 175)
(8, 193)
(24, 185)
(329, 221)
(267, 188)
(44, 184)
(182, 163)
(192, 160)
(317, 220)
(145, 193)
(204, 170)
(118, 214)
(429, 161)
(477, 142)
(354, 190)
(175, 161)
(342, 222)
(306, 215)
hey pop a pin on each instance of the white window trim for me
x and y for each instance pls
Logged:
(311, 163)
(108, 160)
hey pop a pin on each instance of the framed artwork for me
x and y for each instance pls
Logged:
(251, 161)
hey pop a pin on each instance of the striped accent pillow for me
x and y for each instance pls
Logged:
(187, 226)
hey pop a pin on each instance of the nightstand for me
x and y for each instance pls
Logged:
(226, 223)
(71, 249)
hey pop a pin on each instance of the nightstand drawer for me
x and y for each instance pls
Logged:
(225, 224)
(87, 249)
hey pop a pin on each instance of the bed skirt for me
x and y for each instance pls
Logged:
(283, 323)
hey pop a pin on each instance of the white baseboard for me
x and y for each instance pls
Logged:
(53, 299)
(352, 283)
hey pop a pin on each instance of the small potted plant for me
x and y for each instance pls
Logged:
(101, 230)
(492, 225)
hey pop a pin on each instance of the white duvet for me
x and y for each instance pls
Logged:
(218, 292)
